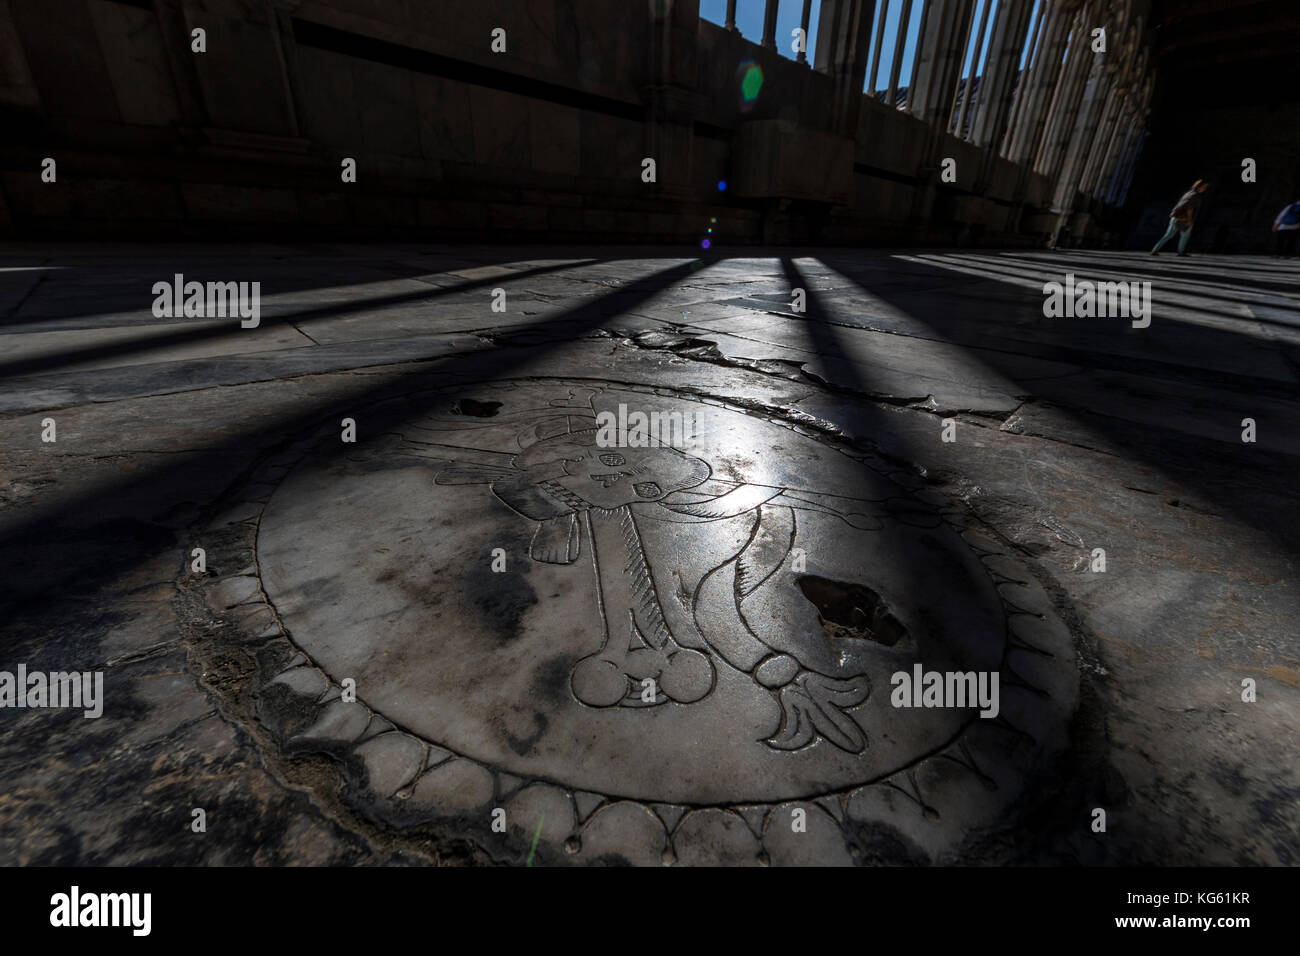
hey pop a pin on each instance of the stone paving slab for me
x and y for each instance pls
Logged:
(887, 366)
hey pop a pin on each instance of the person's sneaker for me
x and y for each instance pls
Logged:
(1154, 253)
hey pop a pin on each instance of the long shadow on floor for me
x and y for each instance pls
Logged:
(88, 287)
(1251, 482)
(67, 551)
(1189, 299)
(183, 336)
(1196, 280)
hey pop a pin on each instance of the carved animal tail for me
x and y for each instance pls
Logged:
(813, 704)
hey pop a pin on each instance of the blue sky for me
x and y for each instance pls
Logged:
(749, 20)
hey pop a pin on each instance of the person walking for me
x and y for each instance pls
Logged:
(1181, 218)
(1287, 227)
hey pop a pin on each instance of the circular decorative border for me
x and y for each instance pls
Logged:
(922, 813)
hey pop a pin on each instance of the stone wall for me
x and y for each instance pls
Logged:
(452, 141)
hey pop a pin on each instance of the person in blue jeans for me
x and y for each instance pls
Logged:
(1181, 218)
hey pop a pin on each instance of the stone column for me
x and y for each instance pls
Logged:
(1039, 91)
(17, 88)
(1127, 129)
(843, 32)
(1142, 111)
(1041, 83)
(185, 77)
(1003, 64)
(1084, 122)
(1080, 130)
(1125, 176)
(872, 83)
(968, 94)
(803, 25)
(1104, 143)
(1060, 123)
(287, 54)
(1129, 65)
(1064, 104)
(1130, 131)
(944, 28)
(670, 97)
(896, 61)
(242, 84)
(1021, 84)
(769, 25)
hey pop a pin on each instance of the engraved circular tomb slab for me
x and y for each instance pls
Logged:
(670, 652)
(711, 619)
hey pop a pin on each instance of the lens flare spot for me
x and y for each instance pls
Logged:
(704, 244)
(751, 81)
